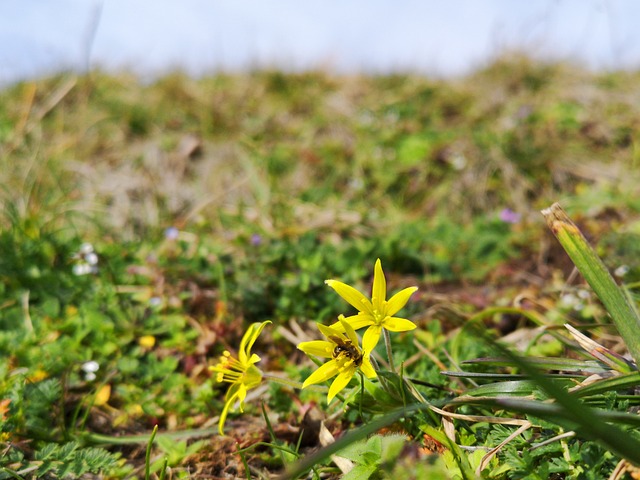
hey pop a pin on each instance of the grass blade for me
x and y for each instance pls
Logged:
(556, 413)
(364, 431)
(621, 382)
(546, 363)
(596, 274)
(584, 420)
(147, 456)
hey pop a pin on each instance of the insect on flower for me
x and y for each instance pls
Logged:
(347, 348)
(345, 358)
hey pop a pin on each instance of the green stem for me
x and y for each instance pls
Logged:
(147, 457)
(291, 383)
(282, 380)
(387, 343)
(99, 439)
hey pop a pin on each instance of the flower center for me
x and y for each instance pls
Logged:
(379, 312)
(347, 356)
(229, 369)
(344, 362)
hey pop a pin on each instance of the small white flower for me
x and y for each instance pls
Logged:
(91, 258)
(569, 300)
(82, 269)
(458, 161)
(621, 271)
(86, 248)
(584, 294)
(155, 301)
(90, 368)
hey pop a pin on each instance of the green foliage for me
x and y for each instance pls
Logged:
(368, 456)
(175, 452)
(65, 460)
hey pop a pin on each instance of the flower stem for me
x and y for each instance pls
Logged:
(282, 381)
(291, 383)
(387, 343)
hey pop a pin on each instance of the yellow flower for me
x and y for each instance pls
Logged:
(376, 313)
(241, 373)
(346, 358)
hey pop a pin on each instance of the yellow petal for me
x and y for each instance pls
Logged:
(340, 382)
(349, 331)
(249, 338)
(370, 338)
(147, 341)
(320, 348)
(367, 368)
(328, 331)
(379, 290)
(254, 358)
(103, 395)
(242, 394)
(223, 417)
(229, 402)
(351, 295)
(399, 300)
(395, 324)
(233, 391)
(356, 321)
(322, 374)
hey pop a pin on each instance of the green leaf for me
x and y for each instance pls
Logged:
(619, 382)
(593, 270)
(360, 433)
(510, 388)
(558, 363)
(586, 421)
(361, 472)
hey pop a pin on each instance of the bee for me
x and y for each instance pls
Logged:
(347, 348)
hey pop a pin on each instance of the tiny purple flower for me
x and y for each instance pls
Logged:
(509, 216)
(256, 240)
(171, 233)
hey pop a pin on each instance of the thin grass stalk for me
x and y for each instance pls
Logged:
(387, 344)
(147, 456)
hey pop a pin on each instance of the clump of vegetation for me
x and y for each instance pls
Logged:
(146, 228)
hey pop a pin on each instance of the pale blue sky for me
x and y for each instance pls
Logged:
(440, 38)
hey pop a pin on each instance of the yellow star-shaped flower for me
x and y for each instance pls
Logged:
(345, 354)
(241, 373)
(376, 313)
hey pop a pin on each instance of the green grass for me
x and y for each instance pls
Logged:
(276, 182)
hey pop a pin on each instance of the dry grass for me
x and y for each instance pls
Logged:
(131, 157)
